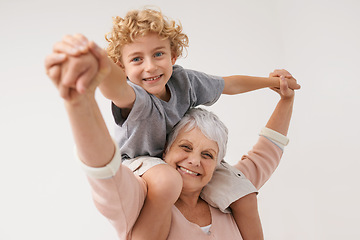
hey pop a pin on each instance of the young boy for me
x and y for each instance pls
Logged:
(149, 95)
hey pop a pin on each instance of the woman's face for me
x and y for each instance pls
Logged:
(194, 156)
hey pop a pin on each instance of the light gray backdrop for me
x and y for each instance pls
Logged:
(314, 194)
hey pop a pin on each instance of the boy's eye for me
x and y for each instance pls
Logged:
(137, 59)
(159, 54)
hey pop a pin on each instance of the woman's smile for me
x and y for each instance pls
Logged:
(183, 170)
(194, 156)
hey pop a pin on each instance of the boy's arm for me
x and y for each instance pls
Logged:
(116, 88)
(240, 84)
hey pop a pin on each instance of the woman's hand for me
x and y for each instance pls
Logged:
(72, 45)
(284, 91)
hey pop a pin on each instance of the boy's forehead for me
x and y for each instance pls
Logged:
(151, 37)
(151, 41)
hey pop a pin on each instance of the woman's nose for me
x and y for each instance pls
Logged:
(194, 160)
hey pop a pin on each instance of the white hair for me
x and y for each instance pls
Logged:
(208, 123)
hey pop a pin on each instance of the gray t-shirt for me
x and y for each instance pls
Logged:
(144, 131)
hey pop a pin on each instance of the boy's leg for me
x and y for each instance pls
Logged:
(246, 215)
(164, 185)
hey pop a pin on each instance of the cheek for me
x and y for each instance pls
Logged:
(210, 168)
(175, 157)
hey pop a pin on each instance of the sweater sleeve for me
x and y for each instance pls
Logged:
(117, 193)
(260, 162)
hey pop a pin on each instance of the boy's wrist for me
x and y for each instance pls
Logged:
(275, 82)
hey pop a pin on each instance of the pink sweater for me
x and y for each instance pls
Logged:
(120, 196)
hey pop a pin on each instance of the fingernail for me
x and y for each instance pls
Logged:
(74, 51)
(82, 48)
(60, 56)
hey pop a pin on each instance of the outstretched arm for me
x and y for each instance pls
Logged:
(280, 118)
(259, 164)
(96, 149)
(241, 84)
(93, 141)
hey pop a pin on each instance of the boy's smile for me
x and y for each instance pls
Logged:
(148, 63)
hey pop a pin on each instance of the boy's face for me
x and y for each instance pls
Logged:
(148, 63)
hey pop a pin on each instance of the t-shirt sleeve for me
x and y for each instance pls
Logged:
(140, 108)
(205, 89)
(117, 193)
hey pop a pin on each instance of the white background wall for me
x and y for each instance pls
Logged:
(314, 194)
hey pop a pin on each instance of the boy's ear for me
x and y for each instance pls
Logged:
(173, 59)
(120, 65)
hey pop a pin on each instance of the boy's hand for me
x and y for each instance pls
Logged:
(291, 81)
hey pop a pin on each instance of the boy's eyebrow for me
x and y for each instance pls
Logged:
(133, 54)
(139, 53)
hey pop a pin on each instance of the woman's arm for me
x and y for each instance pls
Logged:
(262, 160)
(118, 194)
(91, 136)
(93, 141)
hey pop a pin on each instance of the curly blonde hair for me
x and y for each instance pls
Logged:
(138, 23)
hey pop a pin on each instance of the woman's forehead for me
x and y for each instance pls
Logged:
(195, 136)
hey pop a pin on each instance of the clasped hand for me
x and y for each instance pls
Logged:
(76, 66)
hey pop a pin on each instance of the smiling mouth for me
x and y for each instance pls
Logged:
(153, 78)
(188, 171)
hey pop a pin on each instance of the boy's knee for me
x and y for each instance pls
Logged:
(164, 182)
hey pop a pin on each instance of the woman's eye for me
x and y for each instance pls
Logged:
(186, 147)
(208, 155)
(159, 54)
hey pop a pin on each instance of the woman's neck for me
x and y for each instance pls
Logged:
(189, 199)
(194, 209)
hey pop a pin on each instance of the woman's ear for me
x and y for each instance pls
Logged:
(164, 152)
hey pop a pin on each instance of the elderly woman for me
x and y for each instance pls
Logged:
(196, 146)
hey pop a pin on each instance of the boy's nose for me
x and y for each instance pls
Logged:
(150, 65)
